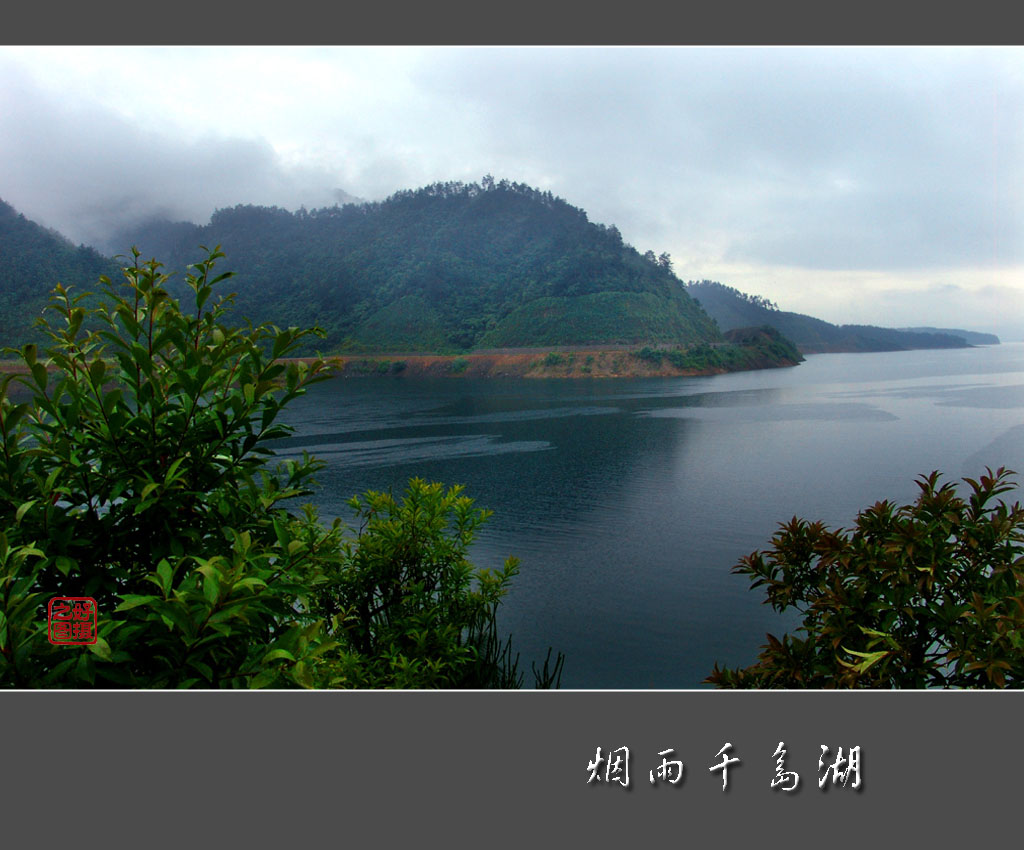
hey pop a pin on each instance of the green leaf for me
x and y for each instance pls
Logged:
(165, 574)
(172, 470)
(110, 401)
(211, 587)
(96, 370)
(274, 654)
(22, 510)
(40, 374)
(302, 676)
(131, 600)
(264, 679)
(101, 649)
(203, 668)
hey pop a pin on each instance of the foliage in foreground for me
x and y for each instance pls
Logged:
(134, 469)
(926, 595)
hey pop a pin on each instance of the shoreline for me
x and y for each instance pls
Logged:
(589, 363)
(598, 362)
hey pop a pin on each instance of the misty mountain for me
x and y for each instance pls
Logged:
(450, 267)
(161, 235)
(734, 309)
(33, 259)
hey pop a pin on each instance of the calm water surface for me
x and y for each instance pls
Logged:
(628, 501)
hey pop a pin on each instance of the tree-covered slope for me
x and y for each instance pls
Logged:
(449, 267)
(734, 309)
(33, 260)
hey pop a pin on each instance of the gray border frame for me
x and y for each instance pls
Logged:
(466, 768)
(283, 769)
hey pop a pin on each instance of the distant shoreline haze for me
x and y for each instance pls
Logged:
(731, 308)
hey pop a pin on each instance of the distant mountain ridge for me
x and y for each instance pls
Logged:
(734, 309)
(447, 268)
(970, 337)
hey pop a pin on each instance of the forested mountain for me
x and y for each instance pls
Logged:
(450, 267)
(32, 260)
(734, 309)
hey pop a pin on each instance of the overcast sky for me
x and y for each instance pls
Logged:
(880, 185)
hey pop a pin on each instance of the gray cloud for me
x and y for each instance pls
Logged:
(86, 171)
(817, 158)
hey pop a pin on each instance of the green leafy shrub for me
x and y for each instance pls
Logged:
(137, 470)
(680, 359)
(410, 603)
(137, 473)
(459, 365)
(366, 366)
(553, 359)
(924, 595)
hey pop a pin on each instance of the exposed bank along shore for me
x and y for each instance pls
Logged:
(605, 362)
(758, 351)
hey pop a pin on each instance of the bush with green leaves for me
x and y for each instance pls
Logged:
(415, 611)
(135, 469)
(925, 595)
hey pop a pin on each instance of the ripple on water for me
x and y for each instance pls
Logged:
(412, 449)
(824, 412)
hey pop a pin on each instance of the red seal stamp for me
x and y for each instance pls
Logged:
(71, 621)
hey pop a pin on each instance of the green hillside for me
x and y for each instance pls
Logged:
(734, 309)
(447, 268)
(32, 260)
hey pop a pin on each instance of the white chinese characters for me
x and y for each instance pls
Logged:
(616, 767)
(840, 775)
(668, 771)
(786, 780)
(723, 765)
(843, 770)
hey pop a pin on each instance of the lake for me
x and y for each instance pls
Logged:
(628, 501)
